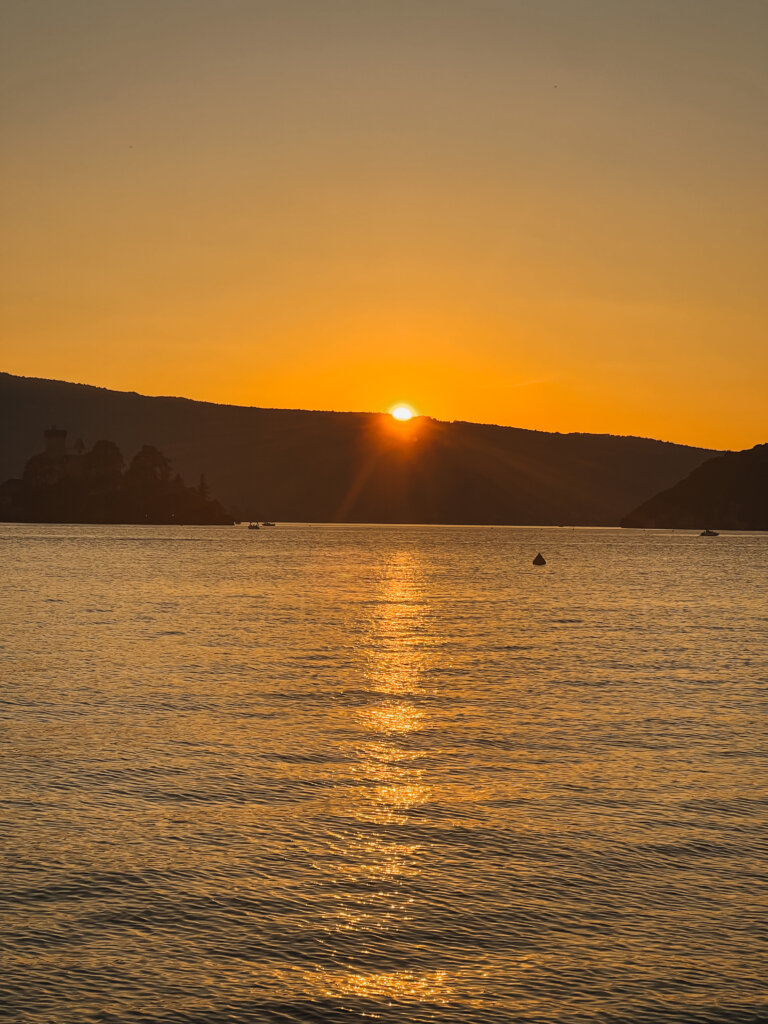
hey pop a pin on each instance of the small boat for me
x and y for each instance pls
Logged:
(253, 526)
(539, 559)
(267, 524)
(709, 533)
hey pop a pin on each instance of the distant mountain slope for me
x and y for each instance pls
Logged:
(354, 467)
(729, 492)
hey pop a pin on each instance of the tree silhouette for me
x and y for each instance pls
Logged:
(149, 468)
(92, 488)
(104, 463)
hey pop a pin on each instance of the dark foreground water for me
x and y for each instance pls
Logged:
(382, 774)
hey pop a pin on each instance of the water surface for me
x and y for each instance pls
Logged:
(397, 774)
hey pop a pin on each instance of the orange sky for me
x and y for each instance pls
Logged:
(549, 214)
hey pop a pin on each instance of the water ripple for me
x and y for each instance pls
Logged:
(382, 774)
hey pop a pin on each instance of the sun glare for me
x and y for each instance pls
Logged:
(402, 412)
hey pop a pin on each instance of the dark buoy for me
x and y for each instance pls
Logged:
(539, 559)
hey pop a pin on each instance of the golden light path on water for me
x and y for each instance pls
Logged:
(389, 779)
(392, 782)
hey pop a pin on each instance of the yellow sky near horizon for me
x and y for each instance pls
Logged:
(549, 215)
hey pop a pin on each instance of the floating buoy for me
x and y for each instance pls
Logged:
(539, 559)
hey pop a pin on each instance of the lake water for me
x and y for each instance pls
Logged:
(389, 774)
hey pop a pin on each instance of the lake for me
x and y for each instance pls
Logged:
(396, 774)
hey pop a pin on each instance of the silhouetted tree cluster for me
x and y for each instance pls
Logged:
(94, 487)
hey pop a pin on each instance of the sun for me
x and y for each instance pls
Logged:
(402, 412)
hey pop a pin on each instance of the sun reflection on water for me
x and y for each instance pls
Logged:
(394, 717)
(395, 985)
(390, 786)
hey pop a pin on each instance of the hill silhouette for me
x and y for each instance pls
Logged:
(295, 465)
(729, 492)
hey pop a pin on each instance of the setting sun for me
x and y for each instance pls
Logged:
(403, 412)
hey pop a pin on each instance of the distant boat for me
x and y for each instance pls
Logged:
(267, 524)
(539, 559)
(253, 526)
(709, 533)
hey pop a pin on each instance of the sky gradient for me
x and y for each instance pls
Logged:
(548, 214)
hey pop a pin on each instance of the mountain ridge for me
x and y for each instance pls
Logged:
(318, 465)
(727, 492)
(342, 412)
